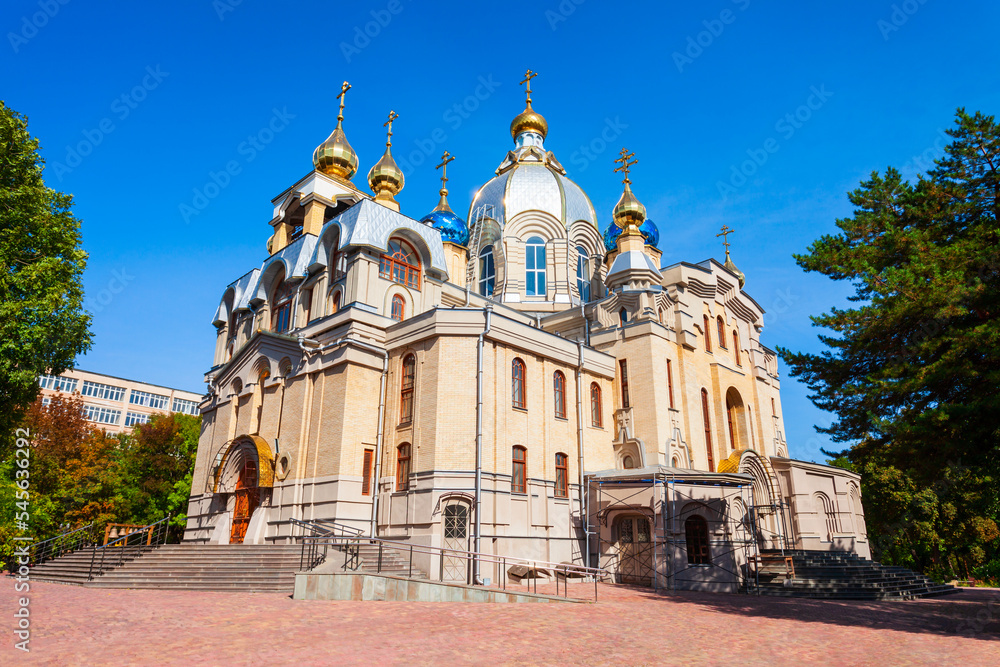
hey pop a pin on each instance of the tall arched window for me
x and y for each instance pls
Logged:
(339, 266)
(534, 267)
(562, 478)
(623, 317)
(519, 470)
(398, 308)
(281, 306)
(720, 323)
(670, 383)
(400, 264)
(583, 273)
(696, 536)
(487, 271)
(736, 347)
(708, 430)
(708, 335)
(731, 418)
(403, 467)
(406, 389)
(517, 393)
(335, 302)
(596, 418)
(623, 379)
(559, 393)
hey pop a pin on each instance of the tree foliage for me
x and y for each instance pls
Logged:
(42, 322)
(912, 369)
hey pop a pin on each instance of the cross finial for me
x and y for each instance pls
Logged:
(392, 116)
(445, 159)
(341, 96)
(726, 231)
(627, 160)
(528, 76)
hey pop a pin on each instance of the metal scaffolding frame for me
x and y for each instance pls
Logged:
(733, 541)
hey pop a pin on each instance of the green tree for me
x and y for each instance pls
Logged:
(912, 369)
(157, 469)
(42, 322)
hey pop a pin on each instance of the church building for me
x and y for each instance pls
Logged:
(516, 383)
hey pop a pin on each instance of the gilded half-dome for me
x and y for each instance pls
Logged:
(335, 157)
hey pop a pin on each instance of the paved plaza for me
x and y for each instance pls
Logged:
(627, 626)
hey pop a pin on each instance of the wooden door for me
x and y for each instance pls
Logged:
(635, 550)
(247, 499)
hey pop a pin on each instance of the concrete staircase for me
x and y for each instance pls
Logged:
(238, 567)
(844, 576)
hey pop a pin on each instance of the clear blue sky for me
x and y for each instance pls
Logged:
(695, 89)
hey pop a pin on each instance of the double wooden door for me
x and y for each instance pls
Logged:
(247, 498)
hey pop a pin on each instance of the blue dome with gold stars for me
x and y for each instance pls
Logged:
(452, 227)
(650, 232)
(611, 235)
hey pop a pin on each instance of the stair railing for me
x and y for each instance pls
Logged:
(127, 547)
(351, 547)
(64, 543)
(314, 552)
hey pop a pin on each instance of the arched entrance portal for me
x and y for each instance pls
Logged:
(635, 549)
(247, 497)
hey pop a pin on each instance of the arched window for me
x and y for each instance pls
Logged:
(534, 267)
(559, 392)
(708, 335)
(720, 323)
(335, 302)
(696, 535)
(338, 266)
(623, 317)
(583, 273)
(596, 418)
(628, 463)
(731, 418)
(708, 430)
(398, 308)
(406, 389)
(517, 393)
(487, 271)
(400, 264)
(403, 467)
(736, 347)
(366, 473)
(562, 478)
(670, 383)
(281, 306)
(519, 470)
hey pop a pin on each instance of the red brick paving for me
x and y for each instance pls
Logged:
(628, 626)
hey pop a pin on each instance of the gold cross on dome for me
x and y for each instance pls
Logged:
(726, 231)
(445, 159)
(392, 116)
(627, 160)
(342, 95)
(528, 76)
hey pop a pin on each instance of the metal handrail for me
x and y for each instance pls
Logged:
(157, 529)
(352, 560)
(60, 544)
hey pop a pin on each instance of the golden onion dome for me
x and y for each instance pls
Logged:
(529, 120)
(731, 267)
(335, 157)
(386, 176)
(629, 213)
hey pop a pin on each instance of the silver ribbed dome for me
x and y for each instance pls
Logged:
(534, 187)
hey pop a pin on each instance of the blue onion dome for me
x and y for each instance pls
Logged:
(650, 233)
(611, 235)
(452, 227)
